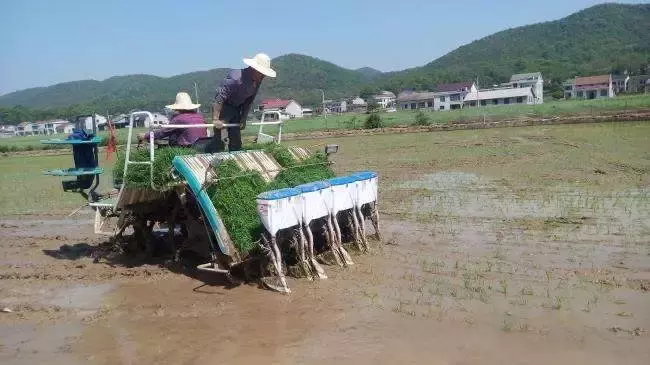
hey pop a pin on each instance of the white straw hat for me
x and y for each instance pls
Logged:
(183, 102)
(262, 63)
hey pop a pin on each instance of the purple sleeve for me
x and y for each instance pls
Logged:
(165, 132)
(224, 91)
(159, 134)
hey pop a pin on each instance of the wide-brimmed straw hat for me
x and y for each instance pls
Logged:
(183, 102)
(262, 63)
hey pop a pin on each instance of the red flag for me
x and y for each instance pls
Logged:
(111, 146)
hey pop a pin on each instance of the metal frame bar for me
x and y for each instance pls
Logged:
(128, 162)
(262, 123)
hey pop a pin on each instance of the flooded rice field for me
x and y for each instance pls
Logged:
(481, 263)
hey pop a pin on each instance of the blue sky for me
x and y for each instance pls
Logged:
(43, 42)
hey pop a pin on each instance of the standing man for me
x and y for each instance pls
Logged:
(234, 99)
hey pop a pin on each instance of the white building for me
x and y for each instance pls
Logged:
(7, 130)
(590, 87)
(45, 127)
(336, 106)
(290, 107)
(451, 96)
(415, 100)
(534, 80)
(158, 119)
(385, 99)
(500, 96)
(638, 84)
(87, 122)
(36, 128)
(620, 83)
(24, 129)
(357, 101)
(67, 128)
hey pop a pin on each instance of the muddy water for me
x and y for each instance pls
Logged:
(476, 272)
(47, 321)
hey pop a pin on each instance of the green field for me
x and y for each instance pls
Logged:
(350, 120)
(537, 155)
(548, 109)
(24, 189)
(23, 143)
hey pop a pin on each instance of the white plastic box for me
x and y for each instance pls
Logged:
(367, 187)
(316, 200)
(280, 209)
(344, 193)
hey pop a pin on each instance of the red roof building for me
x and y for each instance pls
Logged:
(290, 107)
(275, 103)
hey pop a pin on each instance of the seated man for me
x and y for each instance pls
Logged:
(186, 113)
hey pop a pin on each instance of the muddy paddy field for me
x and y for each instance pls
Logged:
(504, 246)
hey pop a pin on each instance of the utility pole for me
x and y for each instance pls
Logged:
(323, 106)
(196, 93)
(323, 102)
(477, 101)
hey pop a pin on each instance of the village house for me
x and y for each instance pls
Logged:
(159, 119)
(290, 107)
(619, 83)
(385, 99)
(36, 128)
(7, 130)
(529, 80)
(589, 87)
(24, 129)
(87, 121)
(409, 99)
(45, 127)
(55, 126)
(638, 84)
(122, 121)
(567, 87)
(451, 96)
(627, 83)
(66, 128)
(336, 106)
(500, 96)
(356, 104)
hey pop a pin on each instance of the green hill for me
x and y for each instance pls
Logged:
(299, 77)
(606, 38)
(369, 72)
(601, 39)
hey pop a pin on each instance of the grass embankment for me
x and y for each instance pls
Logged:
(351, 120)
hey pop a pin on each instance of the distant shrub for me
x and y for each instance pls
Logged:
(373, 121)
(372, 106)
(422, 119)
(557, 94)
(4, 149)
(351, 123)
(29, 147)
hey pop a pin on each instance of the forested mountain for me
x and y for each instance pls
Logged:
(606, 38)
